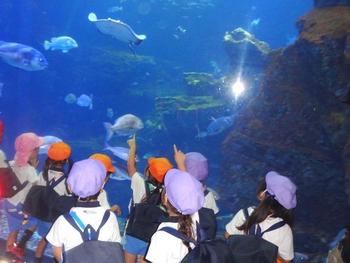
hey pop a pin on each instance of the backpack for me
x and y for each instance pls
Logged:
(252, 248)
(208, 225)
(145, 217)
(92, 250)
(205, 251)
(44, 203)
(9, 183)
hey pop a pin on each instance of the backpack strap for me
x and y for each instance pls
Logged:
(245, 213)
(87, 232)
(11, 169)
(54, 183)
(271, 228)
(178, 234)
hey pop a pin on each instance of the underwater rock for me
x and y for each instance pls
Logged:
(202, 84)
(299, 125)
(245, 50)
(327, 3)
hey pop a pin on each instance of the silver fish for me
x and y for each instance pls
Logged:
(48, 141)
(120, 152)
(125, 125)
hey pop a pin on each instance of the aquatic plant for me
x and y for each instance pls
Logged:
(202, 83)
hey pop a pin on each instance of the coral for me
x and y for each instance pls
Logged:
(243, 48)
(323, 23)
(166, 105)
(201, 83)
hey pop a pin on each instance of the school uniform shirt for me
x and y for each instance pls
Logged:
(281, 237)
(138, 187)
(64, 234)
(61, 188)
(103, 200)
(237, 221)
(23, 173)
(210, 202)
(165, 247)
(3, 163)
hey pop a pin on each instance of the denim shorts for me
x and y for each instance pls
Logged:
(135, 246)
(15, 217)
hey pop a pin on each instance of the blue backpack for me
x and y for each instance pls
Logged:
(92, 250)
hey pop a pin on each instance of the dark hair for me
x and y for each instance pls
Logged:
(261, 187)
(90, 198)
(268, 207)
(56, 166)
(344, 245)
(184, 221)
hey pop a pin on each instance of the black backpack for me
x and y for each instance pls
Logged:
(44, 203)
(208, 224)
(145, 217)
(92, 250)
(252, 248)
(205, 251)
(9, 183)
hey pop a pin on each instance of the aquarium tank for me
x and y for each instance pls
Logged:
(254, 86)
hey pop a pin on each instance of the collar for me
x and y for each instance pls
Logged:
(88, 204)
(169, 219)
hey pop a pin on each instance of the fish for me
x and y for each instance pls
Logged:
(48, 140)
(22, 56)
(255, 22)
(181, 30)
(125, 125)
(120, 175)
(118, 30)
(85, 101)
(70, 98)
(109, 113)
(115, 9)
(63, 43)
(217, 126)
(120, 152)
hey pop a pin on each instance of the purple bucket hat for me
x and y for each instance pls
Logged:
(184, 192)
(196, 165)
(282, 188)
(86, 177)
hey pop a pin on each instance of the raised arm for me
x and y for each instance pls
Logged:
(132, 156)
(179, 157)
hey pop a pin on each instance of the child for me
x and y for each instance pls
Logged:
(155, 172)
(85, 180)
(55, 172)
(103, 198)
(242, 215)
(276, 207)
(183, 197)
(24, 166)
(197, 165)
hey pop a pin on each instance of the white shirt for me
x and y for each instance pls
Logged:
(237, 221)
(103, 199)
(281, 237)
(23, 173)
(166, 248)
(63, 234)
(209, 202)
(138, 187)
(61, 188)
(3, 159)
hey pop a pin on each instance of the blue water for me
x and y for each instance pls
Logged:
(34, 101)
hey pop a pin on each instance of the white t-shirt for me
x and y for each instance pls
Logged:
(3, 163)
(209, 202)
(103, 199)
(138, 187)
(63, 234)
(165, 247)
(281, 237)
(23, 173)
(61, 188)
(237, 221)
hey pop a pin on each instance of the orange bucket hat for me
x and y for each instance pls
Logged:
(107, 162)
(59, 151)
(158, 167)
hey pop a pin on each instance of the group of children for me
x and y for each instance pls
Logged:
(179, 192)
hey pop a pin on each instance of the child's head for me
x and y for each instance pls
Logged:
(261, 189)
(87, 178)
(106, 161)
(27, 147)
(58, 156)
(196, 165)
(157, 168)
(183, 192)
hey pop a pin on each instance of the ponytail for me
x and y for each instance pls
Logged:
(185, 227)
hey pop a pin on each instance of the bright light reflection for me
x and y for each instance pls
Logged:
(238, 88)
